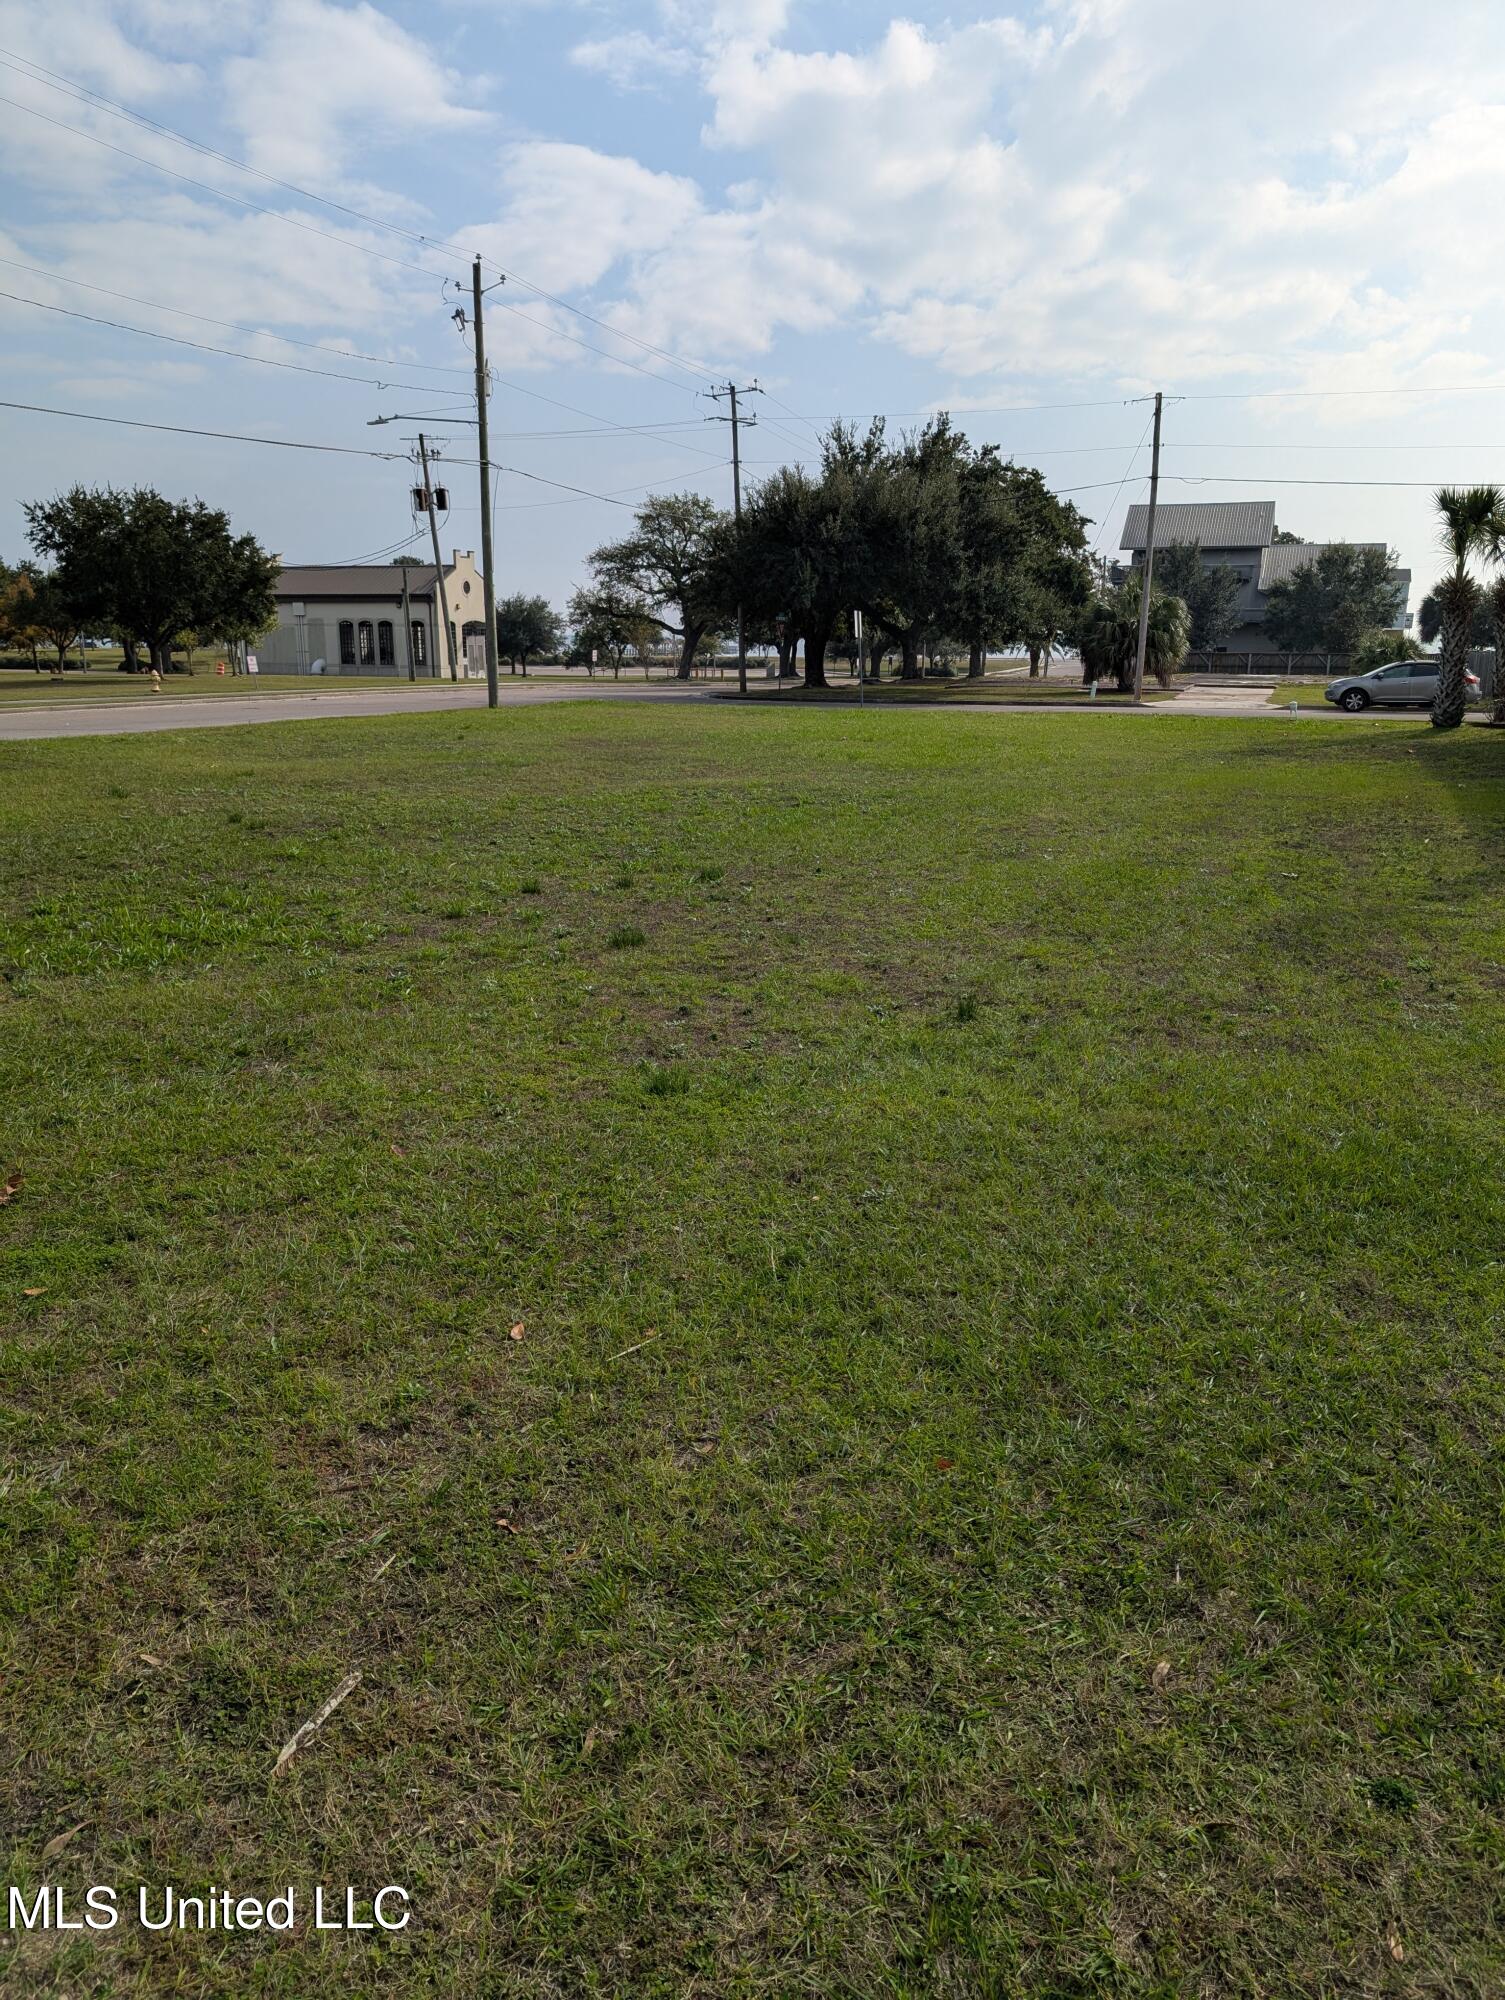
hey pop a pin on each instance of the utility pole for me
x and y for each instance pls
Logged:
(733, 392)
(407, 624)
(487, 579)
(1149, 559)
(443, 594)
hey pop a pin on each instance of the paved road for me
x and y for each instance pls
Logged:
(145, 712)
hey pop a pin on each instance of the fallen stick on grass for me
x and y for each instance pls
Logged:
(301, 1735)
(633, 1349)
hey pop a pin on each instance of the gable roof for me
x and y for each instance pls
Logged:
(1216, 524)
(377, 580)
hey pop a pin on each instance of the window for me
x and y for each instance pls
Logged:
(368, 651)
(466, 587)
(347, 643)
(419, 641)
(384, 653)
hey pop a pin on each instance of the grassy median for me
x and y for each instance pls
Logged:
(880, 1336)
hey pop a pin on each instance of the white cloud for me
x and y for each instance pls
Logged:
(325, 80)
(633, 60)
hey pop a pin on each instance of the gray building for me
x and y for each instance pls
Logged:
(349, 619)
(1240, 535)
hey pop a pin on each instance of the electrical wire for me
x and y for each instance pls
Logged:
(35, 72)
(234, 326)
(188, 430)
(207, 347)
(1122, 482)
(221, 194)
(297, 444)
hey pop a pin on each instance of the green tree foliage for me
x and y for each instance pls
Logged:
(670, 566)
(935, 541)
(1331, 602)
(1023, 575)
(1208, 590)
(805, 553)
(1378, 649)
(148, 568)
(526, 628)
(610, 622)
(18, 624)
(1471, 522)
(55, 615)
(1108, 634)
(1497, 618)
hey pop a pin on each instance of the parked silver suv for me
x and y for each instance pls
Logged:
(1402, 684)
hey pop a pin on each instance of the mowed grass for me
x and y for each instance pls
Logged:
(997, 1490)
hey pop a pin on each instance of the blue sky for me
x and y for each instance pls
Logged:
(1287, 217)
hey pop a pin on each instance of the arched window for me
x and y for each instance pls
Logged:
(384, 653)
(347, 643)
(368, 650)
(420, 642)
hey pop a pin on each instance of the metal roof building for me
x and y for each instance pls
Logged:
(1216, 524)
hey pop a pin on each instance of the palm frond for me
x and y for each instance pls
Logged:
(1471, 521)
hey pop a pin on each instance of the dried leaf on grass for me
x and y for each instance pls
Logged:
(1161, 1674)
(59, 1841)
(515, 1332)
(315, 1722)
(32, 1291)
(10, 1187)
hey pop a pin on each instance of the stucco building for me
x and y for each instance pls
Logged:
(333, 619)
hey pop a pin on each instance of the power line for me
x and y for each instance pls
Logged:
(51, 79)
(297, 444)
(207, 347)
(235, 326)
(316, 347)
(221, 194)
(1122, 482)
(35, 72)
(188, 430)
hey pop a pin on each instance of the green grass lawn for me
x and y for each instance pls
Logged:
(959, 693)
(997, 1492)
(1308, 693)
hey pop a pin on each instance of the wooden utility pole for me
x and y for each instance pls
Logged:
(441, 593)
(1149, 559)
(407, 623)
(487, 579)
(732, 392)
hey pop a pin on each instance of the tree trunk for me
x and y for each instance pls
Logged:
(693, 634)
(876, 650)
(976, 661)
(910, 653)
(816, 641)
(785, 648)
(1449, 702)
(1497, 713)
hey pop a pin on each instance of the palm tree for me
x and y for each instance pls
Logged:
(1472, 518)
(1109, 635)
(1492, 613)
